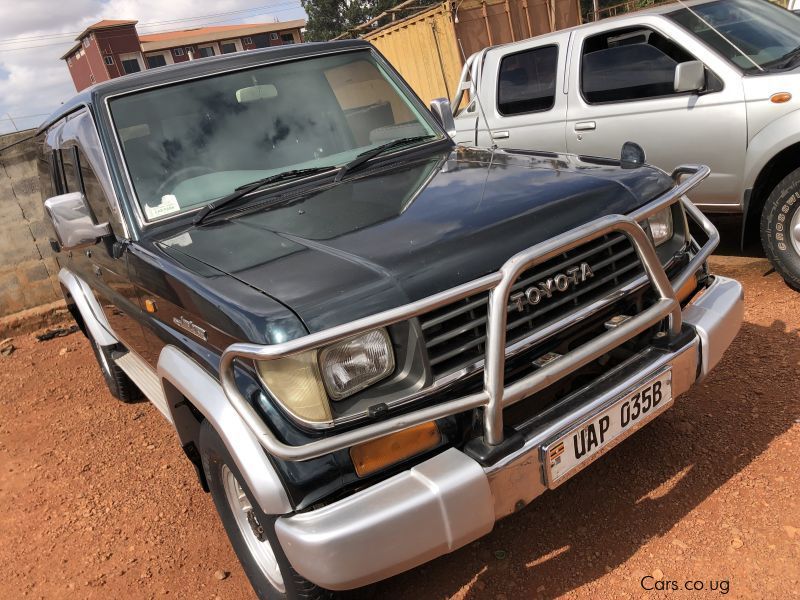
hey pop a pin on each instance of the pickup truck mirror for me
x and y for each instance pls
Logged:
(443, 112)
(72, 220)
(690, 76)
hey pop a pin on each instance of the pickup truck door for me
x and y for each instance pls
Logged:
(104, 266)
(621, 89)
(521, 92)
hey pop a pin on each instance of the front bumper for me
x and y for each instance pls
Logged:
(451, 500)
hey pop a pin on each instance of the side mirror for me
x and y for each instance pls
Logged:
(443, 112)
(73, 222)
(690, 76)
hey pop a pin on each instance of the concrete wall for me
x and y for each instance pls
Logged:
(28, 270)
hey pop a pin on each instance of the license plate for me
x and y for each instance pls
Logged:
(571, 452)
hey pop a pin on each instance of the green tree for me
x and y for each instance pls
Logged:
(328, 19)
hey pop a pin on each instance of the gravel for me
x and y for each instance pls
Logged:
(98, 501)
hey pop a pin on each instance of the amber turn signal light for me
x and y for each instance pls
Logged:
(780, 97)
(686, 289)
(377, 454)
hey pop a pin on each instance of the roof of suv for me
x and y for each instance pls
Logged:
(197, 68)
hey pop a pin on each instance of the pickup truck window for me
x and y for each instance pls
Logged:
(527, 81)
(753, 35)
(629, 65)
(192, 142)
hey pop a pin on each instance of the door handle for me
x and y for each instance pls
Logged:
(500, 135)
(585, 126)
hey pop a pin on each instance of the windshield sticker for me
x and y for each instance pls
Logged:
(169, 204)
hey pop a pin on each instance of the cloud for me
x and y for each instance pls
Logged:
(33, 79)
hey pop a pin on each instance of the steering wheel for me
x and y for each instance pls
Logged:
(182, 175)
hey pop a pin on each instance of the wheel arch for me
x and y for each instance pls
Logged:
(193, 396)
(84, 307)
(772, 154)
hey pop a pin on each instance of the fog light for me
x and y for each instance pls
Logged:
(377, 454)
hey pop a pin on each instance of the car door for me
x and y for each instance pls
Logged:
(102, 266)
(621, 89)
(522, 96)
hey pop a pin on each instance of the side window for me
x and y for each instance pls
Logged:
(527, 81)
(629, 64)
(69, 163)
(93, 190)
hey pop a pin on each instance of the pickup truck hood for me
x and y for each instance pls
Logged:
(400, 232)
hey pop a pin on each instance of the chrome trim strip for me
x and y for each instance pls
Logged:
(495, 396)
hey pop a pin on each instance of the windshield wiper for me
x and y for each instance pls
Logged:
(243, 190)
(373, 152)
(786, 60)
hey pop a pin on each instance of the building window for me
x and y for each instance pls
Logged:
(189, 50)
(109, 60)
(177, 51)
(131, 66)
(273, 36)
(86, 42)
(287, 38)
(248, 41)
(155, 61)
(227, 47)
(206, 51)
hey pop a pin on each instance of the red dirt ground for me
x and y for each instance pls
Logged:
(97, 500)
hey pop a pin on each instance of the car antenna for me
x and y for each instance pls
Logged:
(474, 84)
(715, 30)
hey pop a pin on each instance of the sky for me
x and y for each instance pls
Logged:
(34, 81)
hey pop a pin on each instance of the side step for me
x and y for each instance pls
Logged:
(146, 379)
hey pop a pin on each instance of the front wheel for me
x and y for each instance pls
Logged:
(780, 229)
(250, 531)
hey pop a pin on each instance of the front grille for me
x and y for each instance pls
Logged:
(455, 335)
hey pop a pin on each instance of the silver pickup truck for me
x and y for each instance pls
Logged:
(713, 82)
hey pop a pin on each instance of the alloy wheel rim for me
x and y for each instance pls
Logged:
(794, 231)
(242, 509)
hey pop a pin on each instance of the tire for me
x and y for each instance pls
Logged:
(263, 561)
(780, 229)
(119, 384)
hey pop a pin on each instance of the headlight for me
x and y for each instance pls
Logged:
(295, 381)
(350, 366)
(661, 226)
(303, 383)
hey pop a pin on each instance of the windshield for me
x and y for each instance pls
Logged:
(192, 142)
(752, 34)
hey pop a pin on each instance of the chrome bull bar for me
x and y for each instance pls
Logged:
(495, 396)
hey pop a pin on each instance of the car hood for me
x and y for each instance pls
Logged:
(401, 232)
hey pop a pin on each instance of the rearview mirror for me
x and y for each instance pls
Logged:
(73, 222)
(443, 112)
(690, 76)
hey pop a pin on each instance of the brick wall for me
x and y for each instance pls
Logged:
(28, 270)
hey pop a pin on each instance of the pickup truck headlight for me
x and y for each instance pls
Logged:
(661, 226)
(353, 364)
(305, 383)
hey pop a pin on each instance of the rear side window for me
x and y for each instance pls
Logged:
(527, 81)
(629, 65)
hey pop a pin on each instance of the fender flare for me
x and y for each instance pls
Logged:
(206, 395)
(93, 316)
(767, 143)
